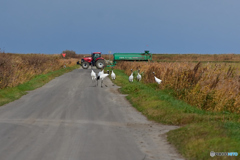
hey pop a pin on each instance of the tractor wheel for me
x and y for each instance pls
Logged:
(100, 64)
(85, 65)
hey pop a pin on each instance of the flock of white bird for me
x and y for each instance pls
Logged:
(101, 75)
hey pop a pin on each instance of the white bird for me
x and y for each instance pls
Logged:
(157, 79)
(113, 76)
(139, 77)
(93, 75)
(101, 77)
(131, 77)
(100, 73)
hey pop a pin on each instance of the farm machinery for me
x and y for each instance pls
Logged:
(97, 60)
(131, 57)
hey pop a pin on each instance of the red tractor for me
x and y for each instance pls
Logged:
(94, 60)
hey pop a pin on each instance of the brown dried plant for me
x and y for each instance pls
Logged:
(18, 68)
(209, 86)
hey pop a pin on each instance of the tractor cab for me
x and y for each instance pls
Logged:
(95, 56)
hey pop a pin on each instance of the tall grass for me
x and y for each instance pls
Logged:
(16, 69)
(209, 86)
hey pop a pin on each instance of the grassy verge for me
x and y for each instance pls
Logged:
(10, 94)
(201, 131)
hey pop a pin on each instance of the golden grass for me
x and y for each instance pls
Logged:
(209, 86)
(16, 69)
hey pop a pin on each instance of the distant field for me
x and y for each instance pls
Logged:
(188, 57)
(197, 57)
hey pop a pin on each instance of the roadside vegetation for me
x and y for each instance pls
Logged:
(202, 98)
(10, 94)
(24, 72)
(16, 69)
(207, 86)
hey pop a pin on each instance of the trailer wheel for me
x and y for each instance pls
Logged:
(85, 65)
(100, 64)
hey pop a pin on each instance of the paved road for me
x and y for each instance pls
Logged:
(70, 119)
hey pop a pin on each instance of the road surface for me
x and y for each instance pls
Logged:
(70, 119)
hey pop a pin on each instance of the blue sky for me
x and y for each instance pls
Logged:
(85, 26)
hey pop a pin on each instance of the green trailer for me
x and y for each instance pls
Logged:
(131, 57)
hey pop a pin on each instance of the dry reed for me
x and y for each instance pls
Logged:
(209, 86)
(18, 68)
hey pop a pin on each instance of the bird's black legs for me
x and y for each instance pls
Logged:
(103, 83)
